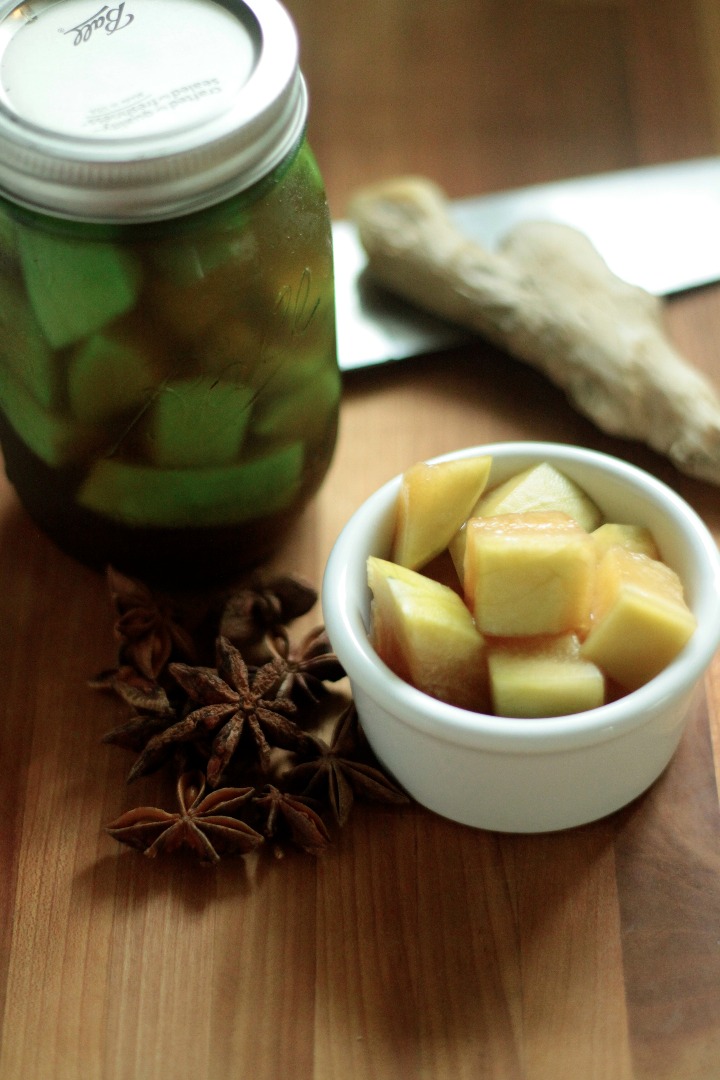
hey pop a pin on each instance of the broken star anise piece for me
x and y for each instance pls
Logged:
(337, 772)
(135, 733)
(138, 690)
(291, 817)
(203, 823)
(309, 665)
(232, 707)
(261, 611)
(146, 626)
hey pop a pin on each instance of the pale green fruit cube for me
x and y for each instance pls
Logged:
(231, 348)
(141, 495)
(197, 423)
(110, 374)
(190, 259)
(76, 286)
(301, 411)
(57, 439)
(23, 349)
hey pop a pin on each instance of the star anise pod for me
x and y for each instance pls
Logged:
(144, 694)
(146, 626)
(262, 611)
(338, 773)
(309, 665)
(135, 733)
(204, 823)
(232, 707)
(291, 817)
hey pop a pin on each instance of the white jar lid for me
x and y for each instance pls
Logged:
(146, 109)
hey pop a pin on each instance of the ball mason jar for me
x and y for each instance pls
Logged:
(169, 385)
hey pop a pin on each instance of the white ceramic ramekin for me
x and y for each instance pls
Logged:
(528, 775)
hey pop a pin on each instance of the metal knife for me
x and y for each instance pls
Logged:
(657, 226)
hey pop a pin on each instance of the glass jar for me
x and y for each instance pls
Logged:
(169, 385)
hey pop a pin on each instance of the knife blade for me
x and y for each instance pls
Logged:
(657, 226)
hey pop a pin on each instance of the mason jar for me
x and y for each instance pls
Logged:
(169, 384)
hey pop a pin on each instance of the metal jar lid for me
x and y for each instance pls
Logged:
(147, 109)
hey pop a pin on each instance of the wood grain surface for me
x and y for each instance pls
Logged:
(415, 948)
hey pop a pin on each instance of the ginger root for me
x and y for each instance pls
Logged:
(548, 297)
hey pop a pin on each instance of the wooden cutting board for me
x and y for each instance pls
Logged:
(415, 947)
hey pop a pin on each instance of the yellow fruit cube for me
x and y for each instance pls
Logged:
(433, 503)
(383, 634)
(539, 488)
(543, 677)
(456, 550)
(640, 620)
(528, 574)
(426, 635)
(633, 537)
